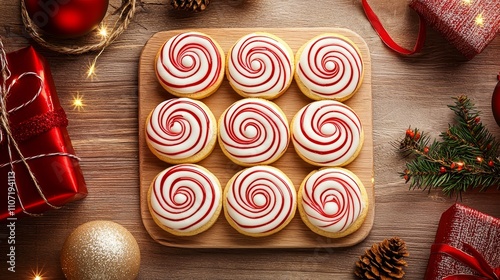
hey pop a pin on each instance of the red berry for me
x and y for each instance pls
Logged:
(460, 166)
(410, 133)
(426, 150)
(442, 170)
(477, 119)
(452, 165)
(491, 163)
(406, 177)
(417, 136)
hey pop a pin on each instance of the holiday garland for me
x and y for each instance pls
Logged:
(467, 157)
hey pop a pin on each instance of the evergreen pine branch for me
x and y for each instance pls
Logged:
(466, 157)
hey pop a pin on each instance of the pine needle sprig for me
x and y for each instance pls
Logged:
(466, 157)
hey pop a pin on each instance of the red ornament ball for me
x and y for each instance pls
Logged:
(66, 18)
(495, 101)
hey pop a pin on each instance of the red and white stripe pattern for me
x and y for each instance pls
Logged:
(260, 199)
(330, 67)
(259, 65)
(185, 197)
(180, 128)
(189, 63)
(254, 131)
(327, 133)
(332, 199)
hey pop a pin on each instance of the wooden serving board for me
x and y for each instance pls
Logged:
(221, 234)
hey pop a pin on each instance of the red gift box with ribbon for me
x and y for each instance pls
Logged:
(38, 167)
(469, 25)
(467, 246)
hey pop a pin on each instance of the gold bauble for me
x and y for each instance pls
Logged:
(100, 250)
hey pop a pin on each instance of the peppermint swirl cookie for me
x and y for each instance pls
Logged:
(191, 65)
(253, 131)
(333, 202)
(260, 65)
(329, 67)
(327, 133)
(181, 130)
(185, 199)
(259, 201)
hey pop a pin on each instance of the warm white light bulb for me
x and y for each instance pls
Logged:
(78, 102)
(91, 71)
(103, 31)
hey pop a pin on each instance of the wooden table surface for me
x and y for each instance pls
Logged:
(406, 91)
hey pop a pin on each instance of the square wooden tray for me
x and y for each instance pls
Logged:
(221, 234)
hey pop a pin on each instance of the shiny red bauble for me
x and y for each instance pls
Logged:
(495, 102)
(66, 18)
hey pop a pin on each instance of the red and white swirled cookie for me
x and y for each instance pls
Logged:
(260, 65)
(259, 201)
(185, 199)
(181, 130)
(333, 202)
(329, 66)
(191, 65)
(327, 133)
(253, 131)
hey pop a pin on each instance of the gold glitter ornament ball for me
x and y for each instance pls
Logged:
(100, 250)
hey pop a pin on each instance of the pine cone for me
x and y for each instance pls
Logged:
(190, 5)
(384, 261)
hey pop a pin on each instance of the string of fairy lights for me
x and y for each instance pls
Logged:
(91, 73)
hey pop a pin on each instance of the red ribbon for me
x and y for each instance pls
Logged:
(386, 38)
(39, 124)
(473, 260)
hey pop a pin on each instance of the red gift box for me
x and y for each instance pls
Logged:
(38, 168)
(469, 25)
(467, 246)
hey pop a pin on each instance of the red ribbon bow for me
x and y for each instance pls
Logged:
(473, 260)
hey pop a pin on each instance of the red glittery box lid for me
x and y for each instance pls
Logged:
(459, 21)
(458, 225)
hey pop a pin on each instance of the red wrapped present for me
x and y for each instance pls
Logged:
(467, 246)
(469, 25)
(38, 168)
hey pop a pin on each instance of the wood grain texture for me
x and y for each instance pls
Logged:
(221, 235)
(406, 91)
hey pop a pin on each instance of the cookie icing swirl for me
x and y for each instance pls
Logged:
(260, 65)
(180, 128)
(327, 133)
(330, 66)
(332, 199)
(185, 197)
(254, 131)
(189, 63)
(261, 199)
